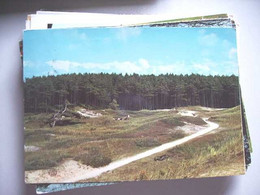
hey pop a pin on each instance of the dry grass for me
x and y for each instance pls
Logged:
(93, 157)
(216, 154)
(114, 139)
(99, 141)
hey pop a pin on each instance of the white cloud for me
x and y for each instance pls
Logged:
(83, 36)
(125, 67)
(232, 53)
(226, 43)
(63, 66)
(208, 39)
(27, 63)
(141, 66)
(202, 31)
(72, 46)
(52, 72)
(202, 67)
(230, 67)
(176, 68)
(206, 67)
(124, 33)
(144, 63)
(205, 52)
(209, 67)
(78, 34)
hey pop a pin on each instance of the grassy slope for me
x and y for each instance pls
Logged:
(99, 141)
(216, 154)
(102, 139)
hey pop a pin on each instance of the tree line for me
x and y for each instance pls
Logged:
(130, 92)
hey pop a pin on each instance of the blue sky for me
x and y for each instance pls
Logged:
(144, 50)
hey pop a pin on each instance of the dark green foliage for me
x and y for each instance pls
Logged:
(36, 136)
(65, 143)
(35, 164)
(114, 105)
(93, 158)
(43, 159)
(130, 92)
(41, 132)
(147, 142)
(178, 135)
(160, 124)
(173, 122)
(61, 143)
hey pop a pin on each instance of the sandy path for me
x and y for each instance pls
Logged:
(114, 165)
(187, 113)
(86, 172)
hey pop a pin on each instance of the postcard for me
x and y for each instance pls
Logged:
(131, 103)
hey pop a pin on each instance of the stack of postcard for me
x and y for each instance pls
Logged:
(112, 98)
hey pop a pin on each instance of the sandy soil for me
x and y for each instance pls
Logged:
(212, 109)
(68, 169)
(89, 113)
(190, 128)
(164, 110)
(187, 113)
(31, 148)
(72, 171)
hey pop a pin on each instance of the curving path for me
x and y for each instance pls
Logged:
(119, 163)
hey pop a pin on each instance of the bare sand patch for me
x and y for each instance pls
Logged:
(67, 170)
(31, 148)
(73, 171)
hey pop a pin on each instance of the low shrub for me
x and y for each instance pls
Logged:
(93, 158)
(63, 143)
(37, 138)
(102, 121)
(178, 135)
(43, 160)
(173, 122)
(147, 142)
(193, 120)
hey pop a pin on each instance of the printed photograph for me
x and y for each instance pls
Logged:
(131, 103)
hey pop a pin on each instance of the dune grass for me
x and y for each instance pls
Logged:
(112, 139)
(215, 154)
(99, 141)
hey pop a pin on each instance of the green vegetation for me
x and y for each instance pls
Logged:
(193, 120)
(93, 157)
(215, 154)
(113, 105)
(98, 141)
(147, 142)
(173, 122)
(129, 92)
(42, 160)
(178, 134)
